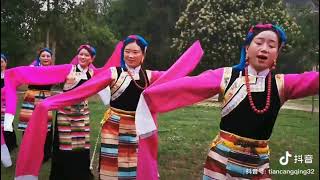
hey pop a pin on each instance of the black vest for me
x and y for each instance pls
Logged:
(129, 99)
(243, 121)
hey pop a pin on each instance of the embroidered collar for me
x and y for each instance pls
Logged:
(252, 71)
(81, 69)
(134, 71)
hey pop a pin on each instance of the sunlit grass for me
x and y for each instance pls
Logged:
(185, 136)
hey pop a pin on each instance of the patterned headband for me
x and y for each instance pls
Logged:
(281, 34)
(139, 38)
(277, 29)
(91, 49)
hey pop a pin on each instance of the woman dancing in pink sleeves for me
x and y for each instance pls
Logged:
(252, 97)
(71, 138)
(120, 155)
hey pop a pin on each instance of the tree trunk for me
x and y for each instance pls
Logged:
(48, 29)
(54, 44)
(48, 38)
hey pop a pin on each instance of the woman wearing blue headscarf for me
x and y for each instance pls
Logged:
(252, 96)
(34, 95)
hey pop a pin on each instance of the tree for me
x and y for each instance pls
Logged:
(18, 22)
(62, 25)
(83, 25)
(306, 52)
(221, 26)
(153, 19)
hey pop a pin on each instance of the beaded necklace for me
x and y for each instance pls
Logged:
(144, 77)
(253, 107)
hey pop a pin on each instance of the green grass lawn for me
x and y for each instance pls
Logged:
(185, 136)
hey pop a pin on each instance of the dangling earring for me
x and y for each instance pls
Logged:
(274, 65)
(247, 60)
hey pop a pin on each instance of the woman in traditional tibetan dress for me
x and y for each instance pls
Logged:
(71, 140)
(119, 142)
(34, 95)
(71, 145)
(252, 97)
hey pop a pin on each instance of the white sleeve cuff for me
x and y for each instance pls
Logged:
(26, 177)
(105, 95)
(144, 120)
(8, 119)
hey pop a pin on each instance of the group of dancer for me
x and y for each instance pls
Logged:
(129, 139)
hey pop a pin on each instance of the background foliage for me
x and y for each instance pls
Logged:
(170, 26)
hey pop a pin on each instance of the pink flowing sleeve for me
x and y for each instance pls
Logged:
(114, 59)
(155, 75)
(45, 75)
(31, 149)
(183, 66)
(184, 91)
(5, 154)
(300, 85)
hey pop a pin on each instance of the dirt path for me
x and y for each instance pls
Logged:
(287, 105)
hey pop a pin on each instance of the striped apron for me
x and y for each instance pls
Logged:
(235, 157)
(119, 145)
(30, 100)
(73, 127)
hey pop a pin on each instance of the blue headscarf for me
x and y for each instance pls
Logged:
(141, 42)
(262, 27)
(4, 58)
(38, 62)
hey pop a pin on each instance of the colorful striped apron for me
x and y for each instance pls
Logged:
(119, 145)
(235, 157)
(74, 127)
(30, 100)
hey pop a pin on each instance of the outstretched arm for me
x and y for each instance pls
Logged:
(182, 67)
(301, 85)
(184, 91)
(89, 88)
(15, 77)
(30, 157)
